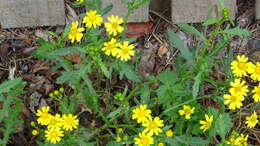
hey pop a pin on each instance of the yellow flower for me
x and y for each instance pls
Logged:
(144, 139)
(160, 144)
(234, 100)
(254, 70)
(118, 139)
(207, 123)
(256, 94)
(35, 132)
(55, 121)
(75, 32)
(141, 113)
(153, 125)
(44, 116)
(126, 51)
(114, 25)
(251, 121)
(92, 19)
(238, 141)
(54, 135)
(70, 122)
(169, 133)
(110, 47)
(80, 1)
(240, 67)
(238, 87)
(187, 111)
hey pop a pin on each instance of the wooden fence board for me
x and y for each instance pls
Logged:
(22, 13)
(120, 9)
(257, 9)
(192, 11)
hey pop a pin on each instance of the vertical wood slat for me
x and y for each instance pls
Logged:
(22, 13)
(192, 11)
(120, 9)
(257, 9)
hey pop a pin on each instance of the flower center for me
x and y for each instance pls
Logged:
(125, 51)
(53, 122)
(54, 134)
(152, 125)
(114, 25)
(68, 121)
(92, 18)
(253, 119)
(238, 89)
(233, 98)
(208, 124)
(141, 113)
(145, 141)
(187, 111)
(45, 115)
(74, 31)
(257, 70)
(241, 65)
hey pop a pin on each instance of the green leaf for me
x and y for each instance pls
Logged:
(210, 21)
(114, 113)
(126, 70)
(7, 85)
(196, 86)
(178, 43)
(106, 10)
(238, 31)
(192, 30)
(168, 77)
(186, 140)
(223, 124)
(105, 70)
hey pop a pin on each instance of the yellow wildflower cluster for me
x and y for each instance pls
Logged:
(55, 124)
(123, 50)
(242, 67)
(152, 125)
(237, 140)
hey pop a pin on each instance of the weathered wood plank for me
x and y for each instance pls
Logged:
(192, 11)
(22, 13)
(257, 9)
(120, 9)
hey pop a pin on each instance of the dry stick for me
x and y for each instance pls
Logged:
(159, 15)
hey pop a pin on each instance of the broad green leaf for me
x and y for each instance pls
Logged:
(106, 10)
(168, 77)
(192, 30)
(223, 124)
(179, 44)
(127, 71)
(7, 85)
(114, 113)
(196, 86)
(185, 140)
(105, 70)
(210, 21)
(238, 31)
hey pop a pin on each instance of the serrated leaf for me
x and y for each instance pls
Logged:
(105, 70)
(196, 86)
(210, 21)
(192, 30)
(7, 85)
(127, 71)
(223, 124)
(238, 31)
(178, 43)
(168, 77)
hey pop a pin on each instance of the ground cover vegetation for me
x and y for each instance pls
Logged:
(166, 109)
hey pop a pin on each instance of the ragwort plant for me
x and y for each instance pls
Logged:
(164, 110)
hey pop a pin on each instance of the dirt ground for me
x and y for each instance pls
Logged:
(17, 44)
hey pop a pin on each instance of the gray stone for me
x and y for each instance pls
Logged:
(120, 9)
(192, 11)
(22, 13)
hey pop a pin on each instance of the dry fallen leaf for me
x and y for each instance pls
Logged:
(138, 29)
(75, 58)
(162, 50)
